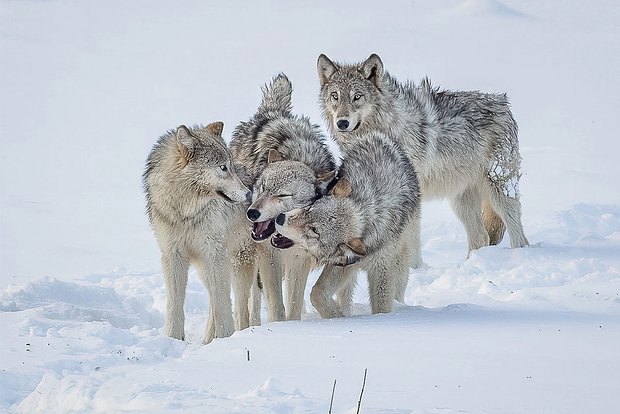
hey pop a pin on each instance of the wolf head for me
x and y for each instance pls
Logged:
(205, 164)
(283, 186)
(328, 230)
(349, 93)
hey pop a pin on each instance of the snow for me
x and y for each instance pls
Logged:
(86, 89)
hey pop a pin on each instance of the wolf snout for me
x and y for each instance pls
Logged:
(342, 124)
(253, 214)
(280, 219)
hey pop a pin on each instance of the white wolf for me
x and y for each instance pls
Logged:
(195, 202)
(463, 145)
(364, 223)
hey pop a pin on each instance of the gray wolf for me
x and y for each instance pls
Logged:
(365, 222)
(463, 145)
(196, 204)
(285, 159)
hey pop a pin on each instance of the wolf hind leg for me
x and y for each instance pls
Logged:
(175, 268)
(493, 224)
(467, 207)
(509, 210)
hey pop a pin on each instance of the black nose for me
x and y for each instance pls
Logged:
(280, 219)
(248, 196)
(253, 215)
(342, 124)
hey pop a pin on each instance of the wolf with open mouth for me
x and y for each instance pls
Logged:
(286, 161)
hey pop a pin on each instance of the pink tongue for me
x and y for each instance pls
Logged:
(260, 227)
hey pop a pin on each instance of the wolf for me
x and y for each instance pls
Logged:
(196, 204)
(464, 145)
(288, 165)
(365, 222)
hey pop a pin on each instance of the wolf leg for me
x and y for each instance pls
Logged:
(467, 207)
(214, 273)
(509, 210)
(382, 277)
(242, 281)
(330, 281)
(297, 277)
(175, 269)
(270, 269)
(255, 301)
(493, 224)
(344, 295)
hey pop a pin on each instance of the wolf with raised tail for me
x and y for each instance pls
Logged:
(196, 205)
(367, 221)
(463, 145)
(288, 165)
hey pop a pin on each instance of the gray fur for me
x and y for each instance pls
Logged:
(196, 202)
(464, 145)
(367, 221)
(300, 168)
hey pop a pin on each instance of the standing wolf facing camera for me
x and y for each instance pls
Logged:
(289, 166)
(365, 222)
(463, 145)
(196, 205)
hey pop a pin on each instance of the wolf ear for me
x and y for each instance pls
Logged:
(326, 68)
(186, 142)
(216, 128)
(274, 156)
(352, 252)
(277, 95)
(372, 69)
(323, 179)
(342, 188)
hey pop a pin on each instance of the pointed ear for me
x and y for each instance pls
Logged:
(186, 142)
(352, 252)
(326, 68)
(372, 69)
(274, 156)
(342, 188)
(357, 246)
(216, 128)
(277, 95)
(323, 179)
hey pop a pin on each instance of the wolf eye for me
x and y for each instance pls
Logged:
(223, 168)
(357, 96)
(334, 96)
(284, 195)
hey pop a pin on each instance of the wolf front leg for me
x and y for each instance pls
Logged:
(175, 269)
(271, 272)
(382, 276)
(333, 279)
(297, 270)
(215, 275)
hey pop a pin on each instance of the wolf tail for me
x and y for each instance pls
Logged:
(493, 224)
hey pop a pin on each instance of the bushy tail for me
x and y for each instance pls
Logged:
(493, 224)
(277, 95)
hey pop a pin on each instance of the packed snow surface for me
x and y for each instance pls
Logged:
(87, 87)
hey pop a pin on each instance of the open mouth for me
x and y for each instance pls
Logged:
(224, 196)
(280, 242)
(263, 229)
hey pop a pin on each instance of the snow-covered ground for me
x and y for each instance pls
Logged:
(87, 87)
